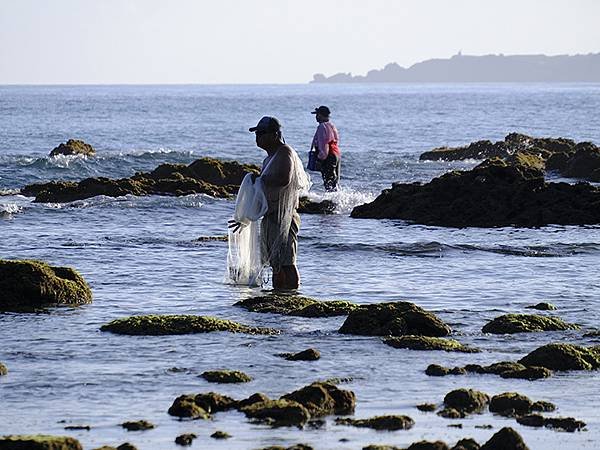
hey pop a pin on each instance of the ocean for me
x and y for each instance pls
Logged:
(141, 255)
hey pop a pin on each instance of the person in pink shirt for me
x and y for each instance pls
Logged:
(325, 143)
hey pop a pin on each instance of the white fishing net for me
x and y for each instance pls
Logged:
(245, 261)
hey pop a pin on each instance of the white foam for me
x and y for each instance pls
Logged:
(345, 199)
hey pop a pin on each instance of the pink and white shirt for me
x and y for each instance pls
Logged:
(326, 140)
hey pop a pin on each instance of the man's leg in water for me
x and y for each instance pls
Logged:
(287, 278)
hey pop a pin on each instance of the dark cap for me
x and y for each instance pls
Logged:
(267, 124)
(323, 110)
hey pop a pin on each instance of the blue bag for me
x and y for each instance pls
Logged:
(313, 162)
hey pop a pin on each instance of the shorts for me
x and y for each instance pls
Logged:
(278, 254)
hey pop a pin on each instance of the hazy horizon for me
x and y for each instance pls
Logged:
(270, 42)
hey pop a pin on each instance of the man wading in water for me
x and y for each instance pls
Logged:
(282, 178)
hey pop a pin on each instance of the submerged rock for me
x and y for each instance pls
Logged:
(564, 357)
(525, 323)
(307, 206)
(310, 354)
(226, 376)
(427, 407)
(28, 284)
(466, 400)
(204, 176)
(296, 305)
(138, 425)
(543, 306)
(3, 369)
(185, 406)
(322, 399)
(492, 195)
(254, 398)
(466, 444)
(278, 412)
(213, 402)
(185, 439)
(394, 319)
(529, 373)
(506, 369)
(220, 435)
(39, 442)
(73, 147)
(156, 325)
(559, 423)
(428, 343)
(435, 370)
(505, 439)
(390, 423)
(428, 445)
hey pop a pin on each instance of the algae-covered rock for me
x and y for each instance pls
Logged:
(308, 206)
(73, 147)
(563, 357)
(309, 354)
(428, 343)
(529, 373)
(213, 402)
(278, 412)
(525, 323)
(451, 413)
(322, 399)
(380, 447)
(394, 319)
(390, 423)
(226, 376)
(127, 446)
(254, 398)
(220, 435)
(3, 369)
(29, 283)
(466, 400)
(435, 370)
(466, 444)
(156, 325)
(510, 404)
(559, 423)
(542, 306)
(542, 405)
(39, 442)
(138, 425)
(293, 447)
(185, 439)
(505, 439)
(428, 445)
(296, 305)
(185, 406)
(426, 407)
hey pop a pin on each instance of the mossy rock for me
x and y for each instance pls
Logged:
(466, 444)
(322, 399)
(138, 425)
(390, 423)
(569, 424)
(278, 412)
(3, 369)
(307, 206)
(426, 407)
(435, 370)
(226, 376)
(185, 439)
(428, 343)
(394, 319)
(505, 439)
(157, 325)
(466, 400)
(296, 305)
(39, 442)
(510, 404)
(220, 435)
(526, 323)
(564, 357)
(258, 397)
(30, 284)
(73, 147)
(310, 354)
(185, 406)
(543, 306)
(529, 373)
(428, 445)
(213, 402)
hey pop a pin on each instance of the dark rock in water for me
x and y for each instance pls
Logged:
(500, 367)
(211, 239)
(322, 399)
(476, 150)
(559, 423)
(435, 370)
(226, 376)
(390, 423)
(73, 147)
(466, 444)
(39, 442)
(427, 407)
(466, 400)
(278, 412)
(185, 406)
(380, 447)
(529, 373)
(3, 369)
(138, 425)
(492, 195)
(210, 176)
(185, 439)
(505, 439)
(29, 284)
(157, 325)
(296, 305)
(127, 446)
(510, 404)
(220, 435)
(309, 354)
(428, 343)
(307, 206)
(293, 447)
(427, 445)
(451, 413)
(595, 333)
(583, 163)
(393, 319)
(525, 323)
(213, 402)
(78, 427)
(543, 306)
(564, 357)
(542, 405)
(254, 398)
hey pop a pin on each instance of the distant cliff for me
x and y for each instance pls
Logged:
(488, 68)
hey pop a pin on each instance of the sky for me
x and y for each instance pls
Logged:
(271, 41)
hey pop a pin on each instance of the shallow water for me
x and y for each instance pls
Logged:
(140, 256)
